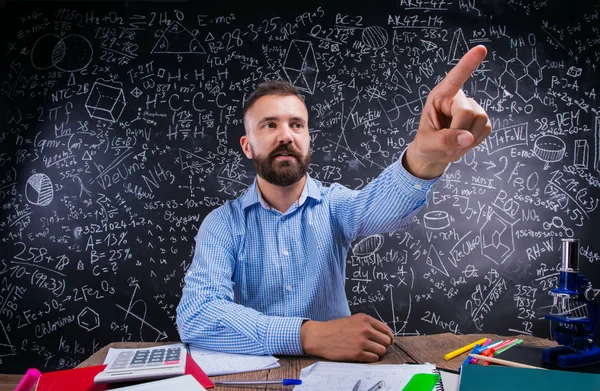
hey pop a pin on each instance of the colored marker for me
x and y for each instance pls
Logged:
(481, 350)
(476, 350)
(460, 351)
(518, 341)
(28, 380)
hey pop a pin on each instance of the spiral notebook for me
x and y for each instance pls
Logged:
(337, 376)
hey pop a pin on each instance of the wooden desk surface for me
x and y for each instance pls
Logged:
(431, 348)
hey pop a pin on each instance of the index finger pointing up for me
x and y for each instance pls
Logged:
(459, 75)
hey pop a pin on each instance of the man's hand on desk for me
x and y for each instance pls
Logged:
(354, 338)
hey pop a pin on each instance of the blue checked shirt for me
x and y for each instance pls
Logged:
(257, 273)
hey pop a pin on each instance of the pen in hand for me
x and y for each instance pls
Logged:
(241, 383)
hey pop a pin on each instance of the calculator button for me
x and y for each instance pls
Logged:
(171, 362)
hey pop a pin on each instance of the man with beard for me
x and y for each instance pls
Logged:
(269, 267)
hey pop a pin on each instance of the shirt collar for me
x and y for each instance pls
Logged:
(252, 195)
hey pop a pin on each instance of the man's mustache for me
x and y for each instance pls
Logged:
(285, 148)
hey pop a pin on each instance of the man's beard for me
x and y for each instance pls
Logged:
(283, 173)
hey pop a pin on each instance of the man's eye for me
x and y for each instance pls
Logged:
(269, 125)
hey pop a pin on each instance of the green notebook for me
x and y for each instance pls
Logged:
(501, 378)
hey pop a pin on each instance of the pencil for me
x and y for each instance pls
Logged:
(503, 362)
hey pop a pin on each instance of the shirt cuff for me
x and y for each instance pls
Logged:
(410, 183)
(281, 335)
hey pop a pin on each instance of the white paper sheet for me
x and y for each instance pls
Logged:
(334, 376)
(217, 363)
(449, 380)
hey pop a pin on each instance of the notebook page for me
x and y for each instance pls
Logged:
(335, 376)
(217, 363)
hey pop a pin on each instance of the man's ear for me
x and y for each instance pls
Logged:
(245, 143)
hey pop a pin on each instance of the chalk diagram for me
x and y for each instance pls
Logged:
(497, 238)
(39, 190)
(141, 317)
(88, 319)
(368, 246)
(105, 102)
(520, 77)
(373, 146)
(374, 37)
(366, 249)
(177, 39)
(300, 65)
(436, 219)
(68, 54)
(581, 156)
(549, 149)
(194, 163)
(458, 47)
(435, 261)
(415, 106)
(6, 348)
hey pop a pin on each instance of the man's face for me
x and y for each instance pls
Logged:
(277, 139)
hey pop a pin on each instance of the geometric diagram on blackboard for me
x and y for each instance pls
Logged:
(193, 162)
(581, 154)
(436, 219)
(105, 102)
(39, 190)
(141, 317)
(176, 39)
(400, 81)
(435, 261)
(6, 348)
(88, 319)
(374, 37)
(574, 71)
(428, 45)
(68, 54)
(497, 240)
(549, 149)
(300, 65)
(458, 47)
(136, 92)
(368, 246)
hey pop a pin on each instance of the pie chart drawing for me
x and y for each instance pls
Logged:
(38, 190)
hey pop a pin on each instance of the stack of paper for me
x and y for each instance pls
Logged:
(218, 363)
(334, 376)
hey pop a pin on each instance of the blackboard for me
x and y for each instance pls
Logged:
(120, 132)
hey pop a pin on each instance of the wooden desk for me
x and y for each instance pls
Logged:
(429, 348)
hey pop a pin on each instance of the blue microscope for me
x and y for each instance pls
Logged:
(576, 303)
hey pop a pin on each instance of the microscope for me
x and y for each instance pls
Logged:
(576, 303)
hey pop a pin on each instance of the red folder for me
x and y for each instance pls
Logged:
(82, 379)
(191, 368)
(77, 379)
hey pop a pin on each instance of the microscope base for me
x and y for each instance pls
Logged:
(567, 357)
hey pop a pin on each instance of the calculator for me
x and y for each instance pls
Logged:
(145, 364)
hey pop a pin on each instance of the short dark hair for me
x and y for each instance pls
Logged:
(271, 87)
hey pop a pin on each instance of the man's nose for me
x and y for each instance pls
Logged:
(285, 134)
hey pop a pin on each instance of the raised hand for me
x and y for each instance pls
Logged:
(450, 123)
(358, 337)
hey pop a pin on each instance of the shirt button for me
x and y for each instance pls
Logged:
(417, 186)
(286, 253)
(289, 288)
